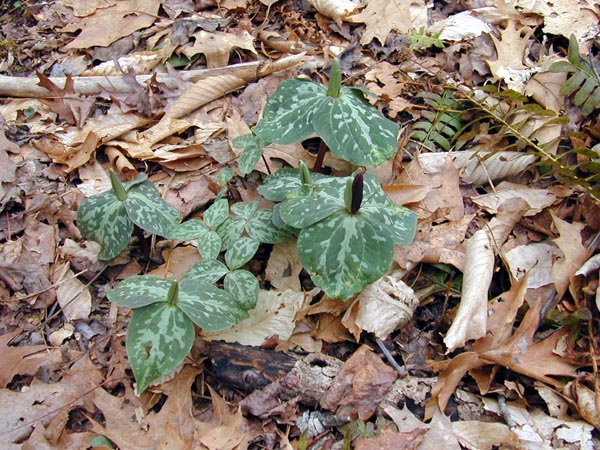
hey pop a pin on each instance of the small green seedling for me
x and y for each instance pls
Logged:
(108, 218)
(348, 227)
(341, 116)
(161, 331)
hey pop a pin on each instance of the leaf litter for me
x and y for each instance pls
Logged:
(504, 266)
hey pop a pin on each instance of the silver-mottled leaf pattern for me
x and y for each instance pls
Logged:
(231, 230)
(345, 252)
(351, 127)
(188, 230)
(206, 271)
(288, 115)
(245, 210)
(216, 213)
(243, 286)
(210, 245)
(102, 218)
(137, 291)
(159, 337)
(253, 150)
(241, 252)
(262, 228)
(148, 210)
(209, 307)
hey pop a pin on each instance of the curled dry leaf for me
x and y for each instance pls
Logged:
(537, 199)
(479, 167)
(585, 402)
(73, 296)
(575, 253)
(337, 10)
(383, 306)
(470, 320)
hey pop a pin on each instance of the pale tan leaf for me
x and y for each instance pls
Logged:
(575, 253)
(535, 260)
(470, 320)
(217, 46)
(284, 267)
(478, 167)
(508, 215)
(139, 62)
(589, 266)
(73, 296)
(337, 10)
(464, 25)
(537, 199)
(384, 16)
(107, 25)
(476, 435)
(384, 305)
(274, 314)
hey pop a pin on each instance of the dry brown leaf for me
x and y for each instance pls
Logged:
(217, 45)
(383, 306)
(139, 62)
(106, 25)
(478, 270)
(284, 267)
(22, 360)
(337, 10)
(360, 386)
(384, 16)
(477, 435)
(389, 439)
(575, 253)
(479, 167)
(536, 260)
(73, 296)
(274, 314)
(511, 49)
(585, 400)
(444, 201)
(537, 199)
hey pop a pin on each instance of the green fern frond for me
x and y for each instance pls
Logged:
(583, 80)
(439, 125)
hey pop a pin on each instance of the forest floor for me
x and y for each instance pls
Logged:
(491, 315)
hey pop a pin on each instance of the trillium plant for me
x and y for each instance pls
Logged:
(346, 227)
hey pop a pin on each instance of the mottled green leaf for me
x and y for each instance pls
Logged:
(243, 286)
(137, 291)
(206, 271)
(288, 115)
(102, 218)
(216, 214)
(240, 252)
(231, 230)
(188, 230)
(159, 337)
(279, 185)
(209, 307)
(245, 210)
(345, 252)
(147, 209)
(138, 180)
(355, 130)
(305, 211)
(262, 228)
(348, 124)
(210, 244)
(253, 150)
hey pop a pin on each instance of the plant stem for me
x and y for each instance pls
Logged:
(318, 167)
(335, 79)
(172, 295)
(117, 186)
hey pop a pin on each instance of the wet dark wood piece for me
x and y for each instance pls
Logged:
(247, 368)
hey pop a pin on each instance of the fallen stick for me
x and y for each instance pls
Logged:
(93, 85)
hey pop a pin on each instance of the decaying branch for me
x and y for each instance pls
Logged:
(93, 85)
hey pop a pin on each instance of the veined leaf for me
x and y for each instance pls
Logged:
(230, 231)
(348, 124)
(345, 252)
(245, 210)
(206, 271)
(159, 337)
(241, 252)
(253, 150)
(147, 209)
(209, 307)
(138, 291)
(102, 218)
(243, 286)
